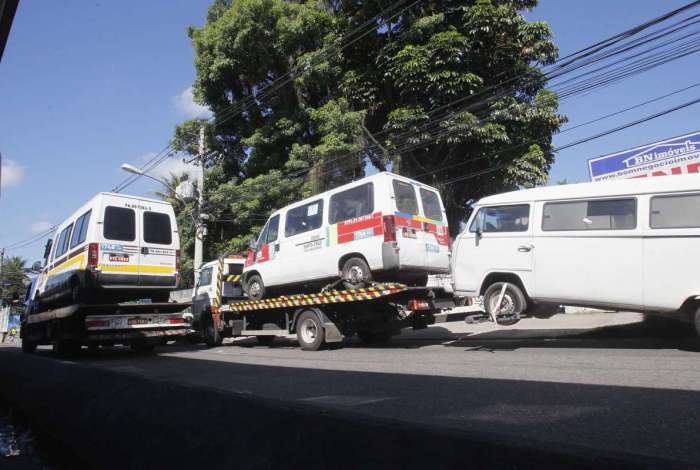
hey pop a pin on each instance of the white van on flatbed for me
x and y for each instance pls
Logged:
(624, 245)
(382, 227)
(114, 248)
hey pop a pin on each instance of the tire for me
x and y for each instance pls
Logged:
(310, 332)
(697, 321)
(265, 340)
(254, 287)
(374, 337)
(212, 336)
(356, 273)
(28, 346)
(76, 294)
(513, 304)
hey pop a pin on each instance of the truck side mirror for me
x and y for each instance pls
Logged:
(479, 233)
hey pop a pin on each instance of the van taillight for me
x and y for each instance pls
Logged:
(177, 260)
(389, 224)
(93, 255)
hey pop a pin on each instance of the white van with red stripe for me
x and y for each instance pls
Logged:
(114, 248)
(382, 227)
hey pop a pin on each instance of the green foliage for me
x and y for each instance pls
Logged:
(301, 106)
(14, 279)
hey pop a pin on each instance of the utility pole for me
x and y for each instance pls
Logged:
(200, 229)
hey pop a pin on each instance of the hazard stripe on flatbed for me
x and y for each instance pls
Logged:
(321, 298)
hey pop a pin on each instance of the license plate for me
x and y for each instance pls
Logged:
(118, 258)
(139, 321)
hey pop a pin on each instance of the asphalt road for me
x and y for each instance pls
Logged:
(625, 387)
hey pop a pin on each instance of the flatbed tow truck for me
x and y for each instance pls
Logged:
(140, 325)
(374, 313)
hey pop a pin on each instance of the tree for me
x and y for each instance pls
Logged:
(14, 278)
(304, 101)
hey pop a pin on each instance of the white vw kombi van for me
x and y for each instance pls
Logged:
(629, 244)
(384, 226)
(114, 248)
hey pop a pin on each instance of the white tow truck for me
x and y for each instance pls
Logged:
(375, 312)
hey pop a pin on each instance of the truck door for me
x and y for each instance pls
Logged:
(267, 252)
(499, 239)
(157, 263)
(409, 226)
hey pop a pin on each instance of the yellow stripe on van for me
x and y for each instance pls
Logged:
(67, 263)
(130, 268)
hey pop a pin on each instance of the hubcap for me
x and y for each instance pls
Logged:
(254, 288)
(356, 274)
(507, 306)
(308, 330)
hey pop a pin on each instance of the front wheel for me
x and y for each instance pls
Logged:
(212, 336)
(255, 288)
(512, 303)
(697, 321)
(310, 332)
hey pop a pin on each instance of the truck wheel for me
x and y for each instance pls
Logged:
(28, 346)
(697, 321)
(254, 287)
(356, 273)
(512, 305)
(310, 332)
(265, 340)
(212, 336)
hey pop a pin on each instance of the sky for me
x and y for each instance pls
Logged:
(87, 86)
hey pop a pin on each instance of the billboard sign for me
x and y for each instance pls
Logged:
(669, 157)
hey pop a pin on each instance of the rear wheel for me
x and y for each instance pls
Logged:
(697, 321)
(310, 332)
(212, 336)
(255, 288)
(356, 273)
(512, 304)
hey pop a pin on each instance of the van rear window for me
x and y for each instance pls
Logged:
(405, 195)
(120, 224)
(156, 228)
(431, 204)
(352, 203)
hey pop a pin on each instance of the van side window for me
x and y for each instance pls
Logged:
(605, 214)
(205, 277)
(120, 224)
(304, 218)
(405, 195)
(273, 229)
(431, 204)
(502, 219)
(81, 226)
(156, 228)
(677, 211)
(352, 203)
(62, 245)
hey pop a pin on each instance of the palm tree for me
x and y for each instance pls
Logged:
(14, 278)
(169, 195)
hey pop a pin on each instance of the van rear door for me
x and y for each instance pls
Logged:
(158, 245)
(409, 225)
(119, 250)
(437, 235)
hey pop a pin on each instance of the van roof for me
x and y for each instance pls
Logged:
(128, 196)
(673, 183)
(382, 174)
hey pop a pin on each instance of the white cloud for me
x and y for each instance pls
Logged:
(41, 226)
(185, 105)
(12, 173)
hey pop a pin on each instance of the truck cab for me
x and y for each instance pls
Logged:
(205, 289)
